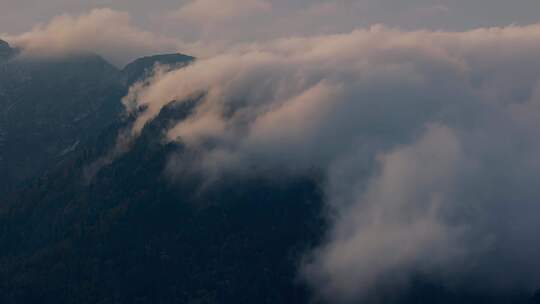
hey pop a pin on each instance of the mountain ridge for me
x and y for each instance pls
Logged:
(50, 106)
(6, 51)
(142, 67)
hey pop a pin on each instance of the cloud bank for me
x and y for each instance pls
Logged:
(427, 140)
(107, 32)
(285, 18)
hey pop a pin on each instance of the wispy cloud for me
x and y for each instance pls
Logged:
(427, 141)
(104, 31)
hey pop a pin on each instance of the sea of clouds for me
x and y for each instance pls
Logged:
(428, 142)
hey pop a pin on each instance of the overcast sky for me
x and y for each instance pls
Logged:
(287, 16)
(122, 30)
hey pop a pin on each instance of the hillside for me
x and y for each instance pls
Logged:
(51, 106)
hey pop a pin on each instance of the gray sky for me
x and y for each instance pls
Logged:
(121, 30)
(18, 16)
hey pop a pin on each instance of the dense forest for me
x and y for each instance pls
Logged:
(130, 232)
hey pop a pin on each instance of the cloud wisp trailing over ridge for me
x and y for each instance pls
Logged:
(427, 140)
(107, 32)
(253, 20)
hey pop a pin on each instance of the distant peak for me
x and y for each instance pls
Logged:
(6, 51)
(143, 67)
(4, 46)
(161, 59)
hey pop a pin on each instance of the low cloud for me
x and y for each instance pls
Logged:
(427, 140)
(107, 32)
(396, 225)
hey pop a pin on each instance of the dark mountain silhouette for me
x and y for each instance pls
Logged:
(51, 106)
(133, 234)
(142, 67)
(6, 52)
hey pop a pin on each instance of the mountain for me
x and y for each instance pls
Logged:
(142, 67)
(133, 233)
(6, 52)
(134, 236)
(49, 107)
